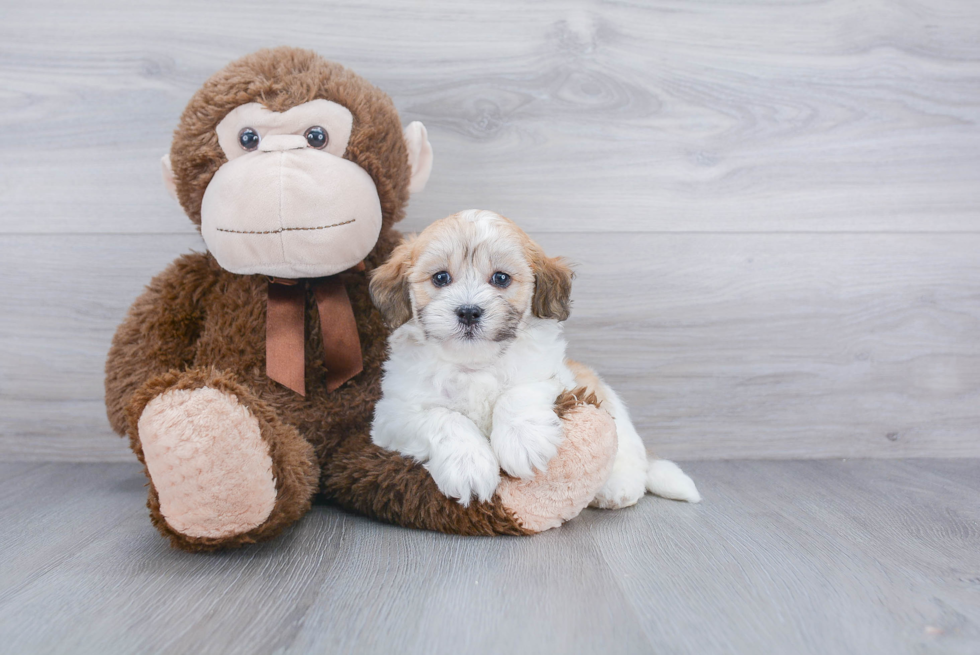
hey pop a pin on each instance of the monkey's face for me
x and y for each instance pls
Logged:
(287, 203)
(292, 165)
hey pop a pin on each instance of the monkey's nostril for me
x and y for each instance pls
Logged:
(469, 314)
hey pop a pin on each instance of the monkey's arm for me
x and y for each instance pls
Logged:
(159, 332)
(365, 478)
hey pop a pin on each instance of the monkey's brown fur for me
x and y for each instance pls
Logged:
(197, 324)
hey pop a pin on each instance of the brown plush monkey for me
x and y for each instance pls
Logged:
(245, 377)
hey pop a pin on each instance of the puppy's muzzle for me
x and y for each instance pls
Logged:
(469, 315)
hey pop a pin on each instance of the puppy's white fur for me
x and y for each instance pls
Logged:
(469, 400)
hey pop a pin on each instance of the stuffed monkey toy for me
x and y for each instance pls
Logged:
(245, 377)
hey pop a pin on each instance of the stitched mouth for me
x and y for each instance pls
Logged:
(286, 229)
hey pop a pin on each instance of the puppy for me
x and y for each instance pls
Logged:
(478, 359)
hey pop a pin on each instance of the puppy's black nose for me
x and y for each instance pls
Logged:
(469, 314)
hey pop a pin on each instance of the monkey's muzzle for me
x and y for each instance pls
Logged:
(290, 211)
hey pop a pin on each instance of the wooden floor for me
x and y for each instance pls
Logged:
(823, 557)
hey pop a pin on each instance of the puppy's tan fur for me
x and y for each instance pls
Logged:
(444, 244)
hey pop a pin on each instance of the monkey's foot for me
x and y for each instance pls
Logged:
(223, 472)
(574, 476)
(211, 469)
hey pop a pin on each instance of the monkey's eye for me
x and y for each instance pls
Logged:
(317, 137)
(248, 138)
(500, 279)
(442, 279)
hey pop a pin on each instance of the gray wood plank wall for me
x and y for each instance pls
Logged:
(775, 207)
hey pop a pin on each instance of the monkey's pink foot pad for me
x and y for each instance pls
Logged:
(208, 462)
(574, 476)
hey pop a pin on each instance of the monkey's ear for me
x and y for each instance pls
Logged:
(419, 155)
(389, 286)
(168, 176)
(552, 286)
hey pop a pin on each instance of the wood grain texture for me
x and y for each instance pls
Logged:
(657, 116)
(861, 556)
(776, 207)
(724, 346)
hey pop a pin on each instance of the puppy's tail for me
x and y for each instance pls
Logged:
(667, 480)
(663, 478)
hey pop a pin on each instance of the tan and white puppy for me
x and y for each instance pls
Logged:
(478, 359)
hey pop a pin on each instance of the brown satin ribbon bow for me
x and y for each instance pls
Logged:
(285, 331)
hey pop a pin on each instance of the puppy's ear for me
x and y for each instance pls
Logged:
(552, 285)
(389, 286)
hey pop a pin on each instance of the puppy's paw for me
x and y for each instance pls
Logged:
(667, 480)
(465, 468)
(625, 486)
(526, 442)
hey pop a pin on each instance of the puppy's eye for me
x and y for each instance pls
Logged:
(317, 137)
(442, 279)
(500, 279)
(248, 139)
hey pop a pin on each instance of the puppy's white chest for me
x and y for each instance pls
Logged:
(473, 393)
